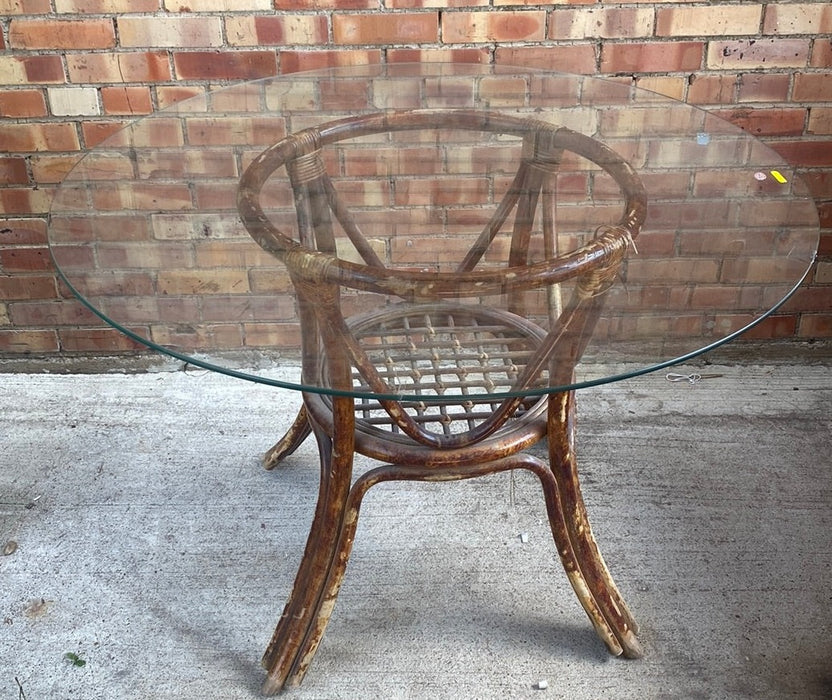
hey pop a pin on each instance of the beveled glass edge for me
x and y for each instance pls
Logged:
(445, 398)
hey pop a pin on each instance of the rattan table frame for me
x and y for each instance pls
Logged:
(430, 437)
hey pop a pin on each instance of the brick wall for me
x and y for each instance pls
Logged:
(72, 71)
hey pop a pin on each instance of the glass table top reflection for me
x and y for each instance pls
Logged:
(145, 229)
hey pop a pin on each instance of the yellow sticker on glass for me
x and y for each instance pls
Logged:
(777, 175)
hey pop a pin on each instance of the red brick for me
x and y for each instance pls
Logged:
(338, 95)
(825, 245)
(175, 282)
(138, 67)
(825, 219)
(810, 299)
(22, 103)
(229, 254)
(444, 91)
(22, 232)
(39, 137)
(238, 308)
(25, 200)
(225, 6)
(172, 31)
(715, 183)
(418, 4)
(245, 98)
(712, 297)
(386, 28)
(713, 20)
(815, 326)
(656, 326)
(150, 309)
(821, 53)
(763, 212)
(661, 57)
(766, 122)
(505, 91)
(192, 337)
(274, 30)
(294, 61)
(79, 259)
(763, 87)
(820, 120)
(52, 168)
(369, 163)
(577, 58)
(467, 27)
(120, 256)
(807, 152)
(758, 53)
(442, 192)
(819, 183)
(111, 283)
(62, 34)
(675, 215)
(208, 131)
(21, 259)
(13, 172)
(812, 87)
(214, 196)
(798, 18)
(269, 282)
(146, 196)
(20, 70)
(96, 340)
(536, 2)
(754, 270)
(712, 89)
(56, 313)
(94, 133)
(126, 100)
(192, 163)
(167, 95)
(113, 227)
(472, 55)
(105, 7)
(321, 5)
(224, 65)
(28, 341)
(27, 287)
(590, 23)
(778, 326)
(668, 85)
(159, 132)
(24, 7)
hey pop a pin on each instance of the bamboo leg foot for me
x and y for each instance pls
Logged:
(588, 573)
(296, 434)
(304, 618)
(334, 578)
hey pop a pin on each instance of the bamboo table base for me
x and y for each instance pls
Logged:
(318, 580)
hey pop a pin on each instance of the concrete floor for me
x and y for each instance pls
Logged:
(152, 546)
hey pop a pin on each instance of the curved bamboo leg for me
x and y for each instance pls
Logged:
(346, 538)
(569, 560)
(296, 434)
(607, 609)
(284, 659)
(332, 586)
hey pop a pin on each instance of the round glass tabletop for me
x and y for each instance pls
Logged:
(146, 231)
